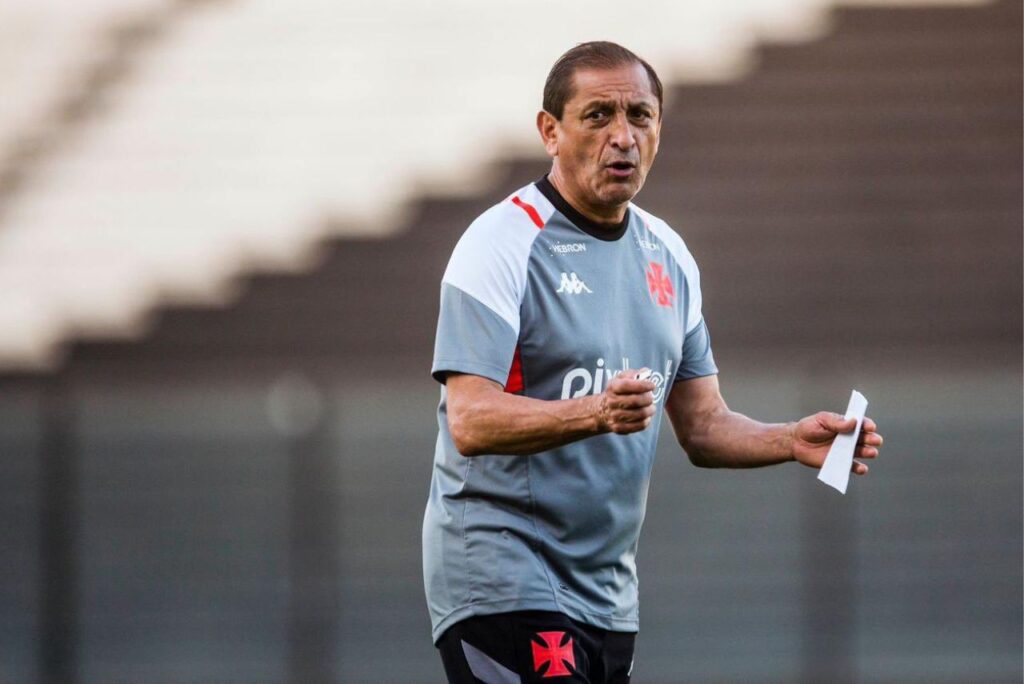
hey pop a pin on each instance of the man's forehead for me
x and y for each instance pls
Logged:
(629, 80)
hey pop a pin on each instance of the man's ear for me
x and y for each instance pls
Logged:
(547, 126)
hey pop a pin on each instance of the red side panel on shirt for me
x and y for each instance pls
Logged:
(515, 374)
(530, 210)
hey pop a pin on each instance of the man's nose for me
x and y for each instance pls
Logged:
(622, 133)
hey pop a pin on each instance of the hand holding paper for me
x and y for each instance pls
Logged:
(836, 470)
(830, 442)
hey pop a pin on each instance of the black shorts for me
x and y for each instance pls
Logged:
(534, 646)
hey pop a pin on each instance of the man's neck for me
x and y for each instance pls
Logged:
(610, 217)
(601, 231)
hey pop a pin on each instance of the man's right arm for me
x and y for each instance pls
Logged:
(484, 419)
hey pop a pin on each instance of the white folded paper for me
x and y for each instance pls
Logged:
(835, 472)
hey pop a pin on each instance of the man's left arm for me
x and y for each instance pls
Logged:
(715, 437)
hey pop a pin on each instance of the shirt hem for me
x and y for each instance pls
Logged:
(444, 366)
(509, 605)
(691, 375)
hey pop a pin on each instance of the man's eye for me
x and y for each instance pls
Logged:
(597, 115)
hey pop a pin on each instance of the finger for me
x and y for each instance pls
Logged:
(625, 428)
(869, 425)
(630, 386)
(838, 423)
(631, 401)
(867, 452)
(859, 468)
(627, 418)
(626, 383)
(871, 439)
(634, 415)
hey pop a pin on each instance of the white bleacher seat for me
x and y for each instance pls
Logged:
(234, 136)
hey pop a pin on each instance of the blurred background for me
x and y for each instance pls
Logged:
(223, 225)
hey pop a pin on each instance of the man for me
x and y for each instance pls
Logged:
(569, 316)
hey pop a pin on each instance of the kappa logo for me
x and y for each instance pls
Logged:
(554, 654)
(571, 284)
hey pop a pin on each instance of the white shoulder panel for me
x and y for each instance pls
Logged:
(489, 262)
(677, 248)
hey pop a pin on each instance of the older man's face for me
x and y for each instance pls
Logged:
(606, 141)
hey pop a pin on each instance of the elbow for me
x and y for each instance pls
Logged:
(466, 447)
(701, 461)
(467, 443)
(696, 456)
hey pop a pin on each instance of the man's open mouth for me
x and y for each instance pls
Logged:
(621, 170)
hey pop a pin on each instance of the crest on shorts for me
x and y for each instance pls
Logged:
(554, 654)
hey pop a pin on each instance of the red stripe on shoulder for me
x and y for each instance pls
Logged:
(530, 210)
(515, 374)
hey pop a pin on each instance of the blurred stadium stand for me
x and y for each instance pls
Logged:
(226, 131)
(235, 494)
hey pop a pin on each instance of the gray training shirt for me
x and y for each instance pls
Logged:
(540, 300)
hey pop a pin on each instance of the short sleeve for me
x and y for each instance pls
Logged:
(481, 295)
(471, 338)
(697, 359)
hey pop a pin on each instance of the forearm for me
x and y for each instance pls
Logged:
(715, 437)
(483, 419)
(726, 439)
(515, 425)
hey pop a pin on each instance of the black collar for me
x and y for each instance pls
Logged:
(601, 231)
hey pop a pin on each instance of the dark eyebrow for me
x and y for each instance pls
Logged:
(612, 104)
(601, 104)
